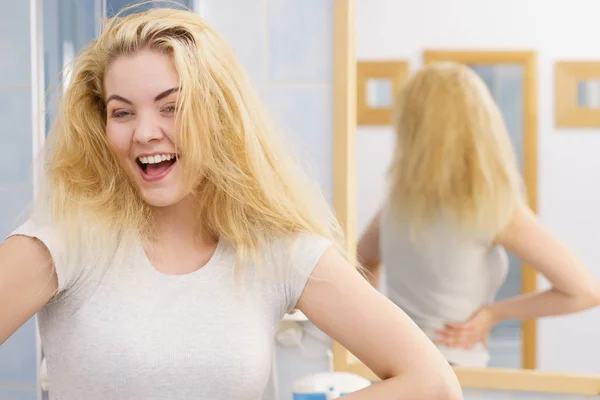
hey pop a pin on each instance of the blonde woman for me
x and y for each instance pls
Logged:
(454, 206)
(173, 232)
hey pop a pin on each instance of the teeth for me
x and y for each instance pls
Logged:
(156, 158)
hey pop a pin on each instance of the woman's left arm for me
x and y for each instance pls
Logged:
(340, 302)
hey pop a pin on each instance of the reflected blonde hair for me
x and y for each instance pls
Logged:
(453, 157)
(249, 190)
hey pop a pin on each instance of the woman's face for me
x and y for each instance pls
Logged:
(141, 93)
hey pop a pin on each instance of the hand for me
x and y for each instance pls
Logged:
(467, 334)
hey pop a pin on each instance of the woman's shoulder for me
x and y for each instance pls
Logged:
(27, 245)
(34, 237)
(35, 229)
(74, 253)
(294, 247)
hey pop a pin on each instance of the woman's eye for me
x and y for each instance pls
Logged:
(120, 114)
(168, 109)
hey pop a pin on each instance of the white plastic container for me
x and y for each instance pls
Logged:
(327, 385)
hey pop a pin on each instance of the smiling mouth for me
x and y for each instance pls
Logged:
(156, 166)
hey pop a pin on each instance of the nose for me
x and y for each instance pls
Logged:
(147, 129)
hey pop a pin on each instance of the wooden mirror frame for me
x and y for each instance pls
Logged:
(568, 113)
(344, 137)
(344, 162)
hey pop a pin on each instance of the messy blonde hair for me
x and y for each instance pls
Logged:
(453, 158)
(248, 188)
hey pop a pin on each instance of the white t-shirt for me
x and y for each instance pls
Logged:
(135, 333)
(446, 277)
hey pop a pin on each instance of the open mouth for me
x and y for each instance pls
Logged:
(156, 166)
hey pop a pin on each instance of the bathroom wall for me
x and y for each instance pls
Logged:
(17, 355)
(286, 47)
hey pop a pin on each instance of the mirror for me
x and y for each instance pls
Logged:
(588, 93)
(510, 77)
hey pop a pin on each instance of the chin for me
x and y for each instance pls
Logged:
(162, 198)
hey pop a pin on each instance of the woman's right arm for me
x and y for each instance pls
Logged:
(27, 282)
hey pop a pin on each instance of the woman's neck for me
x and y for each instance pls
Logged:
(177, 225)
(180, 245)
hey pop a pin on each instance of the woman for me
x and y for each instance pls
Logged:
(173, 233)
(455, 204)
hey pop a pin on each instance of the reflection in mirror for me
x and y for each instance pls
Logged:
(588, 93)
(379, 93)
(374, 153)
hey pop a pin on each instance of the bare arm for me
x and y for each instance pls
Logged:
(339, 301)
(368, 251)
(27, 282)
(574, 288)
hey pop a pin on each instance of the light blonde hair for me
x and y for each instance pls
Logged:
(251, 190)
(453, 158)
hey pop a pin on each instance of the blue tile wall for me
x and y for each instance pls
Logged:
(7, 393)
(15, 135)
(17, 354)
(15, 202)
(300, 40)
(243, 25)
(304, 112)
(14, 43)
(114, 6)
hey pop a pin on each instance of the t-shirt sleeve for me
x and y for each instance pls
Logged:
(49, 239)
(298, 262)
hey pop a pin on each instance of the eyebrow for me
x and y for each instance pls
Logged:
(157, 98)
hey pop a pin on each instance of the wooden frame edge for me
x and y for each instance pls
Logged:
(562, 105)
(344, 131)
(513, 380)
(530, 131)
